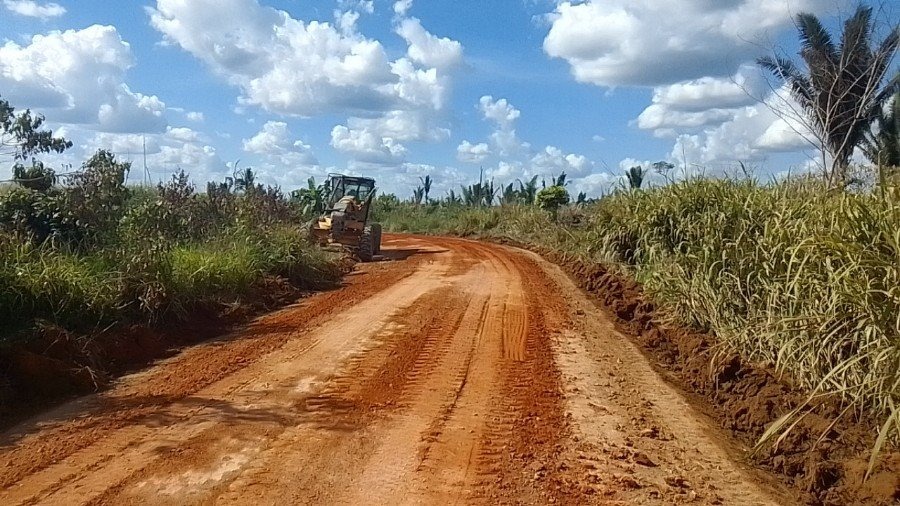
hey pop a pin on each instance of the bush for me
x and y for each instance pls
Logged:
(552, 198)
(94, 251)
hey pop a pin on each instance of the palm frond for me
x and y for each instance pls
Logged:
(814, 36)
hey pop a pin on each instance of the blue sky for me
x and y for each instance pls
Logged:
(403, 89)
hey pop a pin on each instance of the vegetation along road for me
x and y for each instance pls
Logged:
(455, 372)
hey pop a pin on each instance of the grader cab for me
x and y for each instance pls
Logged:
(345, 221)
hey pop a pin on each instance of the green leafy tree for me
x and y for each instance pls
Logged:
(453, 199)
(310, 199)
(561, 180)
(552, 198)
(508, 195)
(479, 194)
(97, 194)
(22, 135)
(843, 87)
(418, 195)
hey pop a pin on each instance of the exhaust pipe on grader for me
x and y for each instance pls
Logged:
(345, 221)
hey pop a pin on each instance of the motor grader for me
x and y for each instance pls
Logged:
(345, 221)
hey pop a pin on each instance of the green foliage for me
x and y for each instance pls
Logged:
(36, 177)
(418, 195)
(95, 252)
(479, 194)
(92, 251)
(310, 199)
(22, 135)
(552, 198)
(96, 196)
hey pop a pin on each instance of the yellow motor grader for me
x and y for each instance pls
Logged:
(345, 220)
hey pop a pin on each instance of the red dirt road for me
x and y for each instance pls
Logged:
(459, 372)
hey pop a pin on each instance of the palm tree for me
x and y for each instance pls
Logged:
(245, 180)
(453, 198)
(842, 88)
(509, 195)
(528, 191)
(418, 195)
(426, 186)
(635, 177)
(882, 146)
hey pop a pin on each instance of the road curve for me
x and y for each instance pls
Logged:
(456, 372)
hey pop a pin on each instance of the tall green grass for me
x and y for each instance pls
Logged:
(787, 274)
(84, 290)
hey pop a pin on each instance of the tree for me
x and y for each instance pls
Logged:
(311, 199)
(509, 195)
(418, 195)
(245, 180)
(552, 198)
(635, 176)
(479, 194)
(842, 87)
(528, 191)
(882, 142)
(426, 187)
(22, 136)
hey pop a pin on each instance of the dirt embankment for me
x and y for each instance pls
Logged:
(44, 365)
(826, 460)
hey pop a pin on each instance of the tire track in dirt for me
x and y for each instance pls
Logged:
(120, 452)
(64, 431)
(639, 439)
(372, 389)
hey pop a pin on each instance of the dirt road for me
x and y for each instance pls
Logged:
(459, 372)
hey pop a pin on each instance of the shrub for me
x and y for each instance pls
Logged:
(552, 198)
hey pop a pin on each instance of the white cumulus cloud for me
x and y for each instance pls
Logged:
(553, 160)
(78, 77)
(651, 43)
(366, 146)
(275, 142)
(427, 49)
(401, 7)
(499, 111)
(33, 9)
(472, 153)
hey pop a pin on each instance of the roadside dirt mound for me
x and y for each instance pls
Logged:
(826, 460)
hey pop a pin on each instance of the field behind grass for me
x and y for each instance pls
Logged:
(788, 275)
